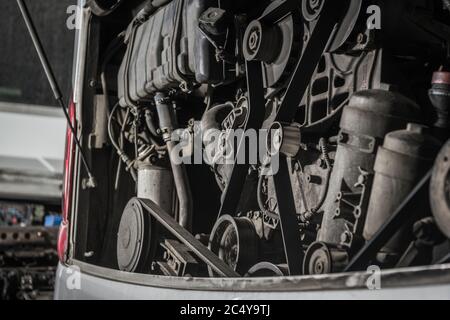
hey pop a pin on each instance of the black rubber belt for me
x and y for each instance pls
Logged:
(219, 266)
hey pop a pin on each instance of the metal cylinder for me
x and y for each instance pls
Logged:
(156, 184)
(403, 160)
(365, 122)
(284, 139)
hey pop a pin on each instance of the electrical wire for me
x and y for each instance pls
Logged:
(326, 157)
(119, 150)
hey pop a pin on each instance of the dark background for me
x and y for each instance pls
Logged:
(22, 79)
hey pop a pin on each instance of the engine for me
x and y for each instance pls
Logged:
(314, 123)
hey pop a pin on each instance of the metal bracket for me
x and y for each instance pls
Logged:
(400, 217)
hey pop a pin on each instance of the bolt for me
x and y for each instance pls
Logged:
(212, 14)
(319, 267)
(361, 39)
(253, 40)
(346, 237)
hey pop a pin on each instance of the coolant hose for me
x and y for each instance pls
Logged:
(167, 123)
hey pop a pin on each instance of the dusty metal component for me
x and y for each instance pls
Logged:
(235, 241)
(321, 258)
(155, 61)
(135, 239)
(178, 260)
(156, 184)
(261, 42)
(420, 251)
(365, 122)
(406, 213)
(277, 44)
(284, 139)
(402, 161)
(440, 190)
(203, 253)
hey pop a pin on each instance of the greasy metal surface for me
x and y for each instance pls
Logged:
(400, 217)
(329, 18)
(188, 239)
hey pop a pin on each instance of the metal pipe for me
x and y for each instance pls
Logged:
(167, 123)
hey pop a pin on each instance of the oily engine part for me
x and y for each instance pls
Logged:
(283, 139)
(135, 239)
(136, 235)
(401, 162)
(163, 52)
(156, 184)
(277, 46)
(321, 258)
(440, 190)
(365, 122)
(235, 241)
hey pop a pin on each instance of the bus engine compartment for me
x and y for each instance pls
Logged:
(264, 138)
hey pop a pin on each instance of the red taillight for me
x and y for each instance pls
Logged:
(62, 241)
(67, 186)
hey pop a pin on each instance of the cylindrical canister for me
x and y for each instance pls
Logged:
(365, 122)
(400, 164)
(156, 184)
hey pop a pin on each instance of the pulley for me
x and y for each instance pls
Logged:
(235, 241)
(277, 45)
(311, 10)
(135, 239)
(283, 139)
(440, 190)
(322, 258)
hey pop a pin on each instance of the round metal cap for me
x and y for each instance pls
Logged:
(134, 238)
